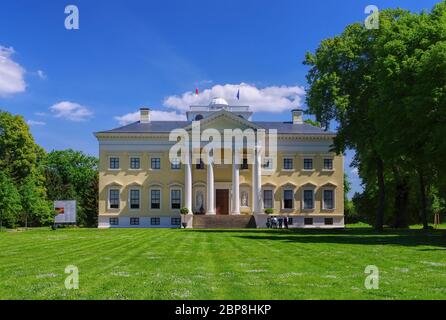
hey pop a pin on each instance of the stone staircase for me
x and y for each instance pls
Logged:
(224, 222)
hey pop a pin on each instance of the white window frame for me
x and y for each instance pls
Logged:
(271, 167)
(150, 198)
(283, 198)
(150, 164)
(334, 198)
(130, 163)
(332, 164)
(303, 199)
(303, 164)
(129, 198)
(283, 164)
(171, 163)
(170, 197)
(108, 198)
(263, 196)
(108, 163)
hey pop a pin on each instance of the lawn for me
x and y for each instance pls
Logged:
(222, 264)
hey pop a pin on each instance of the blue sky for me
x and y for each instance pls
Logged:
(127, 54)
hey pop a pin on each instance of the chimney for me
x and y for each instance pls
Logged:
(144, 114)
(297, 116)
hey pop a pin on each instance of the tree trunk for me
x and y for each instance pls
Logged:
(401, 200)
(379, 219)
(423, 200)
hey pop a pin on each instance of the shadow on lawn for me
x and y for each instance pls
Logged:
(363, 236)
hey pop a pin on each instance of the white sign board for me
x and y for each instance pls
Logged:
(66, 210)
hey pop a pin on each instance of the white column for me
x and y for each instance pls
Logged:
(188, 184)
(210, 189)
(257, 182)
(235, 185)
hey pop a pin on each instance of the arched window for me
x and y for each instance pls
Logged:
(198, 117)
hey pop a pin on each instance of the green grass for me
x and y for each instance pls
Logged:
(222, 264)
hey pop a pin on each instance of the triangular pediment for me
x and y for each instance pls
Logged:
(223, 119)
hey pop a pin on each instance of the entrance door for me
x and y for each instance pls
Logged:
(222, 201)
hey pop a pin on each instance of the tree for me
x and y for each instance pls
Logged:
(35, 206)
(9, 201)
(73, 175)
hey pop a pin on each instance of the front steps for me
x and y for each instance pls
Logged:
(224, 222)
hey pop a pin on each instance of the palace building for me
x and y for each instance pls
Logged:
(142, 186)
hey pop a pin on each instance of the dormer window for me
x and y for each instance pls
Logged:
(198, 117)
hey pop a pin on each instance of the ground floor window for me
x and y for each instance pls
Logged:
(290, 220)
(114, 221)
(134, 221)
(175, 199)
(328, 201)
(134, 199)
(308, 199)
(308, 221)
(175, 221)
(268, 199)
(155, 221)
(113, 199)
(328, 221)
(288, 196)
(155, 199)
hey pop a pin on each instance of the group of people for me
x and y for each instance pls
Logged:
(277, 222)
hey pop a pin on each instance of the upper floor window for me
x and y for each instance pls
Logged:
(175, 164)
(328, 164)
(114, 163)
(135, 163)
(113, 199)
(308, 164)
(328, 200)
(155, 163)
(200, 165)
(308, 203)
(155, 199)
(134, 199)
(268, 163)
(244, 165)
(288, 164)
(175, 199)
(268, 199)
(288, 199)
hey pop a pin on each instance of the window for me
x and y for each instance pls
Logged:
(155, 221)
(288, 199)
(268, 163)
(134, 199)
(288, 164)
(308, 221)
(113, 199)
(200, 165)
(244, 165)
(155, 199)
(328, 201)
(308, 164)
(198, 117)
(135, 163)
(175, 199)
(114, 163)
(134, 221)
(290, 221)
(268, 199)
(308, 199)
(114, 221)
(328, 221)
(155, 163)
(175, 164)
(328, 164)
(175, 221)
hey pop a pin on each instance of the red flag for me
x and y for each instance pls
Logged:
(196, 91)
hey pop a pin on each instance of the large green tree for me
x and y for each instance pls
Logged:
(10, 206)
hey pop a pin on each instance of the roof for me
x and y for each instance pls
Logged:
(168, 126)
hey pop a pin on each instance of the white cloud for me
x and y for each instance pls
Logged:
(35, 123)
(269, 99)
(11, 73)
(155, 115)
(71, 111)
(354, 171)
(41, 74)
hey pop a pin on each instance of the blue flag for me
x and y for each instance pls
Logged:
(238, 94)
